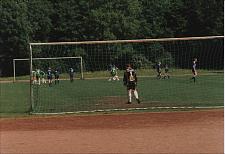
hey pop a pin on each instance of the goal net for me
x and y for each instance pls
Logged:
(23, 64)
(100, 90)
(21, 69)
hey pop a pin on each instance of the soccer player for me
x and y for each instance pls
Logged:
(38, 76)
(42, 74)
(71, 74)
(49, 76)
(166, 75)
(159, 70)
(130, 80)
(194, 71)
(56, 73)
(113, 73)
(34, 81)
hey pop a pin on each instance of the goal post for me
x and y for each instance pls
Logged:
(128, 41)
(14, 66)
(101, 94)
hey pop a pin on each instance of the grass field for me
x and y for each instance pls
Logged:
(97, 94)
(102, 74)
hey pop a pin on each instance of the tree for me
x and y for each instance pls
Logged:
(25, 21)
(69, 20)
(14, 32)
(153, 18)
(118, 19)
(204, 17)
(39, 17)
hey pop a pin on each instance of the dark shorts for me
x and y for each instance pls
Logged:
(37, 77)
(56, 76)
(49, 77)
(131, 86)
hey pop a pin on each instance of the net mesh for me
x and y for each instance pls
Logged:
(97, 92)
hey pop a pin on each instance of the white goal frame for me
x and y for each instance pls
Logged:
(53, 58)
(110, 42)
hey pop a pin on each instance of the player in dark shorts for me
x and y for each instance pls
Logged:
(56, 73)
(49, 76)
(194, 71)
(159, 70)
(71, 74)
(130, 80)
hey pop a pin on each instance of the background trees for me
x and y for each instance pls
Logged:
(24, 21)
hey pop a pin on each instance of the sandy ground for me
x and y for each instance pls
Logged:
(177, 132)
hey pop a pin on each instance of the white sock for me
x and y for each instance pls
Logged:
(129, 95)
(136, 94)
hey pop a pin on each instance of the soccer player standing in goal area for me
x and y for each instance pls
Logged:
(113, 73)
(71, 74)
(42, 74)
(159, 70)
(56, 73)
(194, 71)
(38, 76)
(49, 76)
(130, 80)
(34, 81)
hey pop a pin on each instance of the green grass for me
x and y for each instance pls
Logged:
(96, 94)
(102, 74)
(14, 97)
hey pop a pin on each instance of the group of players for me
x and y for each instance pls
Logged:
(130, 78)
(160, 73)
(39, 76)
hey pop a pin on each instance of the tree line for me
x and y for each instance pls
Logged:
(25, 21)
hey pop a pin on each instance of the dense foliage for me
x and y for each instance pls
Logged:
(24, 21)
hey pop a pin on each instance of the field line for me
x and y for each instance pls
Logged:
(131, 109)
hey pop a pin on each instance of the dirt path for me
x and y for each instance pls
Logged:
(178, 132)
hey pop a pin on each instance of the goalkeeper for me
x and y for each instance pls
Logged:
(130, 80)
(113, 73)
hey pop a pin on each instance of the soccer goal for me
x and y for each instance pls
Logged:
(172, 88)
(25, 62)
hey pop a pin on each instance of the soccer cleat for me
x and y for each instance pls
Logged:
(128, 102)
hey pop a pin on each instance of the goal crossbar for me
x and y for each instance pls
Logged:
(129, 41)
(145, 53)
(50, 58)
